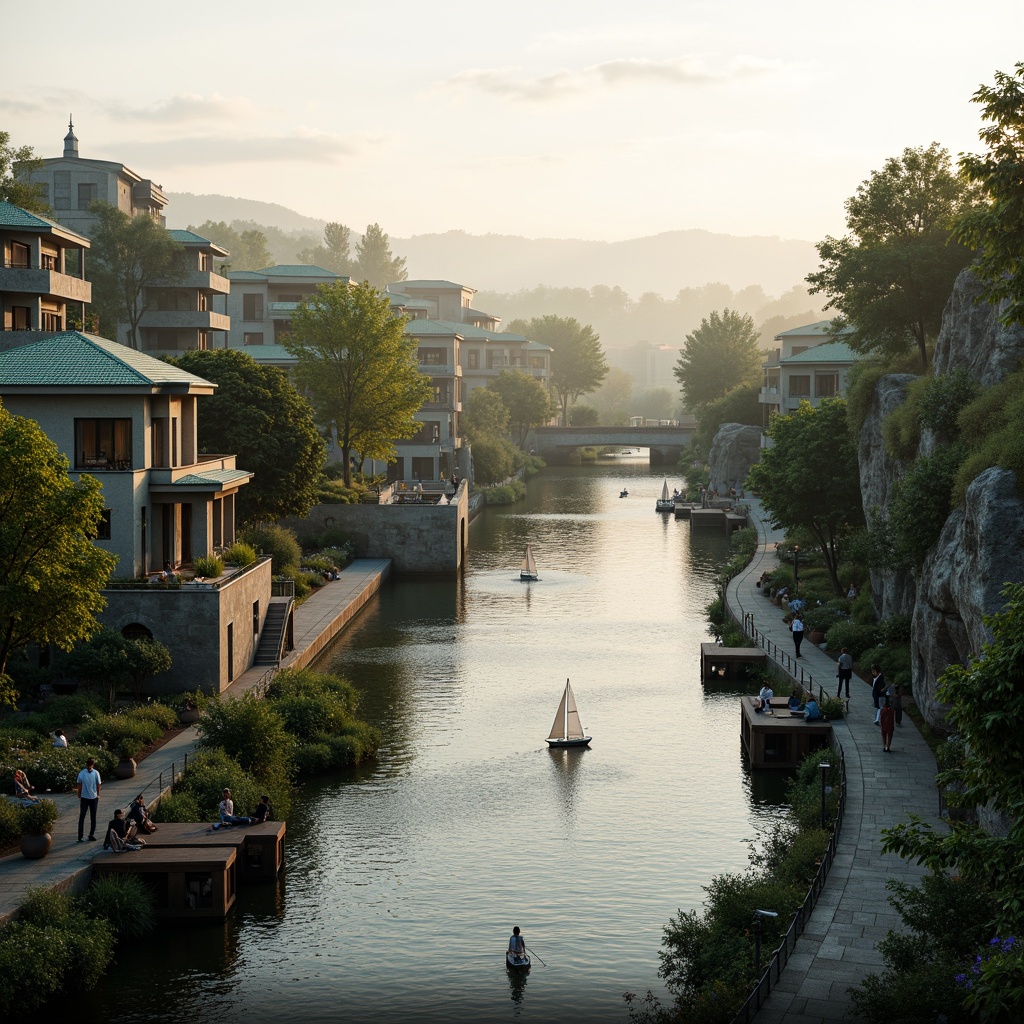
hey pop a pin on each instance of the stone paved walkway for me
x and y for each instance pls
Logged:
(853, 913)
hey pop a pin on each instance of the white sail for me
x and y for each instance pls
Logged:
(529, 566)
(567, 719)
(664, 490)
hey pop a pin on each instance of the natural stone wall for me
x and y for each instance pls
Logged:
(735, 449)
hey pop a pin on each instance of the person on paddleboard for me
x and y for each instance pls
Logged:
(517, 944)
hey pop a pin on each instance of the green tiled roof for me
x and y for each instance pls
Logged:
(827, 352)
(820, 327)
(76, 359)
(12, 216)
(432, 284)
(245, 275)
(446, 328)
(212, 478)
(481, 333)
(300, 270)
(191, 238)
(269, 353)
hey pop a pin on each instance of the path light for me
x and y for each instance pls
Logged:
(796, 566)
(758, 915)
(825, 789)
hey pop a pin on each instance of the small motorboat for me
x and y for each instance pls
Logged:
(623, 493)
(666, 503)
(566, 730)
(528, 570)
(516, 961)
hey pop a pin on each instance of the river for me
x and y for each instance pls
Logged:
(404, 878)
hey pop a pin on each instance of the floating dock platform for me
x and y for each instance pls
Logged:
(729, 662)
(779, 740)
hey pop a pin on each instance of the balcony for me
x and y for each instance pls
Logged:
(200, 320)
(440, 370)
(204, 281)
(37, 281)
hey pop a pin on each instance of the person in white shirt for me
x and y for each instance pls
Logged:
(59, 739)
(764, 698)
(89, 785)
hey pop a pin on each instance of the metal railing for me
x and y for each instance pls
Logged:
(780, 957)
(162, 782)
(786, 661)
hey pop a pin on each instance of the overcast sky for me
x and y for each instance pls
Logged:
(562, 118)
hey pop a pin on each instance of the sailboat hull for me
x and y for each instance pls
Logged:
(583, 741)
(528, 577)
(663, 505)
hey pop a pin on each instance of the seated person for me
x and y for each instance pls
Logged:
(121, 834)
(138, 815)
(811, 710)
(23, 790)
(262, 812)
(227, 812)
(59, 739)
(794, 701)
(764, 698)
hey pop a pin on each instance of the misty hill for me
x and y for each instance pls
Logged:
(663, 263)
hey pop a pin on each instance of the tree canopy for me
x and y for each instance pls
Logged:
(358, 369)
(258, 415)
(890, 277)
(112, 661)
(248, 248)
(996, 227)
(50, 571)
(131, 257)
(374, 261)
(335, 252)
(578, 365)
(526, 400)
(485, 423)
(808, 479)
(719, 356)
(16, 162)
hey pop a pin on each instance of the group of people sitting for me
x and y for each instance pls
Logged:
(123, 832)
(809, 706)
(228, 816)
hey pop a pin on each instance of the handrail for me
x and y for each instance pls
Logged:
(781, 657)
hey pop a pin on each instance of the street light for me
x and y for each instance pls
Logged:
(796, 566)
(825, 769)
(758, 915)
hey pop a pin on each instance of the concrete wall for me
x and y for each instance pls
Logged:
(417, 538)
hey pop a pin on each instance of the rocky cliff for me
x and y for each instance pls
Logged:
(735, 449)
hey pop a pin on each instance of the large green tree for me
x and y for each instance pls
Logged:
(890, 277)
(50, 571)
(485, 424)
(335, 252)
(526, 400)
(358, 369)
(374, 261)
(996, 226)
(131, 258)
(578, 365)
(16, 163)
(248, 248)
(808, 479)
(259, 416)
(110, 661)
(718, 357)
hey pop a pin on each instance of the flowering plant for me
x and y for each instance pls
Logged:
(995, 981)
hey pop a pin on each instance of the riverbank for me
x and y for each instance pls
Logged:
(838, 948)
(68, 865)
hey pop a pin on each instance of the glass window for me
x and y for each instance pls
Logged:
(86, 194)
(433, 357)
(252, 306)
(422, 468)
(474, 360)
(826, 385)
(800, 386)
(103, 444)
(253, 338)
(20, 255)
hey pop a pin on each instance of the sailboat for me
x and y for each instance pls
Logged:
(528, 570)
(566, 730)
(665, 503)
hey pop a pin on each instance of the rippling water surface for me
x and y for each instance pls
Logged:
(404, 878)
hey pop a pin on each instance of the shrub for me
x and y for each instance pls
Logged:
(895, 629)
(10, 822)
(301, 581)
(39, 818)
(210, 566)
(822, 618)
(240, 555)
(158, 713)
(317, 563)
(507, 494)
(312, 758)
(180, 807)
(68, 709)
(895, 662)
(277, 542)
(800, 862)
(832, 707)
(208, 774)
(251, 732)
(804, 791)
(126, 902)
(340, 556)
(54, 768)
(112, 730)
(856, 639)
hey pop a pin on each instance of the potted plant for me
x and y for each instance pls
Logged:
(36, 823)
(189, 706)
(127, 750)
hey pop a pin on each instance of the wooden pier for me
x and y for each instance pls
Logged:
(260, 848)
(779, 740)
(729, 662)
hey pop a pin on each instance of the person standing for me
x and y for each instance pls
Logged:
(798, 633)
(845, 672)
(89, 785)
(887, 720)
(877, 690)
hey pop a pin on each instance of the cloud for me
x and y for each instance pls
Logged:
(189, 108)
(510, 83)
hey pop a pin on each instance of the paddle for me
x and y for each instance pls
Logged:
(528, 950)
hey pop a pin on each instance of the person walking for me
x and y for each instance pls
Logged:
(798, 633)
(89, 785)
(887, 721)
(845, 672)
(877, 690)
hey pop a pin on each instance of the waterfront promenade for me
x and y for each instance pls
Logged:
(838, 949)
(317, 620)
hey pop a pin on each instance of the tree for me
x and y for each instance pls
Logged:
(578, 365)
(719, 356)
(261, 418)
(112, 661)
(996, 226)
(809, 478)
(16, 163)
(614, 399)
(131, 257)
(358, 369)
(50, 571)
(248, 248)
(741, 405)
(374, 262)
(890, 277)
(526, 400)
(485, 424)
(334, 254)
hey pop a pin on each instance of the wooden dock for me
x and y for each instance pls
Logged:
(779, 740)
(729, 662)
(260, 848)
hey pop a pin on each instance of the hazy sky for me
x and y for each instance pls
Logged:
(564, 118)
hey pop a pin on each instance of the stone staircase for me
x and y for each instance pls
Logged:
(269, 650)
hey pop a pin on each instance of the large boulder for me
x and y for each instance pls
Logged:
(735, 449)
(892, 593)
(981, 547)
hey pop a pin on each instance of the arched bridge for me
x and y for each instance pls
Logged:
(665, 443)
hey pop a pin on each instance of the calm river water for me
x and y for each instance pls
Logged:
(404, 878)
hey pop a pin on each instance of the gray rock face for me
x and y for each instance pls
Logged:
(892, 593)
(735, 449)
(972, 338)
(980, 548)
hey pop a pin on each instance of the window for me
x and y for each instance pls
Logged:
(429, 433)
(537, 363)
(255, 338)
(21, 318)
(800, 386)
(103, 526)
(797, 349)
(255, 618)
(442, 393)
(103, 444)
(432, 357)
(136, 631)
(826, 385)
(49, 261)
(422, 469)
(158, 456)
(86, 194)
(52, 322)
(473, 360)
(252, 306)
(20, 255)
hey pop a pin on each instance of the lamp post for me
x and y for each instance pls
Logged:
(796, 566)
(825, 768)
(758, 915)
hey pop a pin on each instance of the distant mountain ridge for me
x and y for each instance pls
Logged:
(662, 263)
